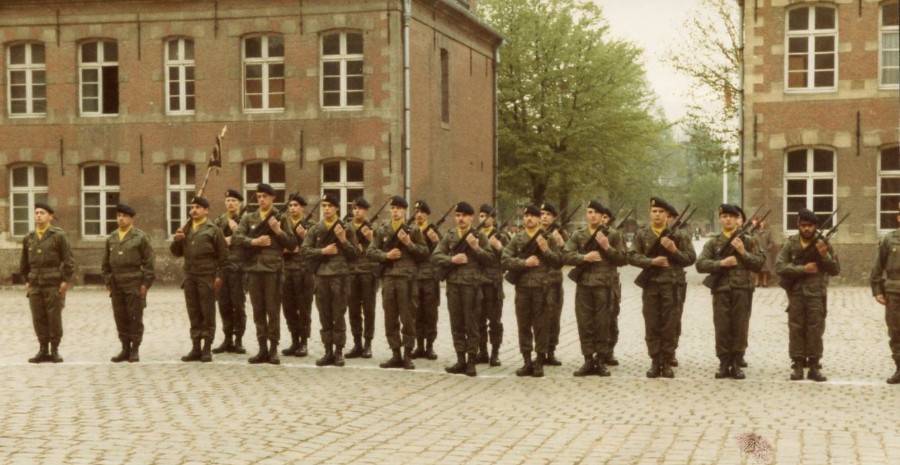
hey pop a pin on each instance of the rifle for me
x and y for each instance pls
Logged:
(621, 223)
(391, 244)
(644, 277)
(328, 239)
(530, 248)
(307, 220)
(461, 247)
(684, 223)
(262, 229)
(590, 246)
(227, 229)
(810, 254)
(360, 237)
(744, 231)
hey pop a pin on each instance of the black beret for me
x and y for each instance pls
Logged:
(200, 201)
(297, 198)
(661, 203)
(125, 209)
(44, 206)
(728, 209)
(465, 208)
(233, 194)
(605, 211)
(332, 199)
(397, 201)
(361, 203)
(741, 213)
(596, 206)
(549, 207)
(265, 189)
(532, 210)
(807, 216)
(487, 209)
(422, 206)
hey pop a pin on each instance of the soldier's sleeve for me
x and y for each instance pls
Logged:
(636, 255)
(876, 276)
(285, 239)
(374, 250)
(241, 238)
(754, 258)
(105, 267)
(509, 260)
(570, 251)
(308, 249)
(553, 255)
(67, 265)
(484, 252)
(830, 262)
(221, 248)
(707, 261)
(349, 248)
(784, 266)
(441, 256)
(147, 266)
(417, 247)
(176, 248)
(686, 255)
(616, 253)
(24, 266)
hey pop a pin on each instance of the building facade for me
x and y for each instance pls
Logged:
(108, 101)
(821, 118)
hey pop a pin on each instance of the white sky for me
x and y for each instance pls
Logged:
(653, 25)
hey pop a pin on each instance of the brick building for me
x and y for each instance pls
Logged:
(822, 116)
(107, 101)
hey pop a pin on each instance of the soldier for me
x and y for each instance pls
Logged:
(205, 254)
(397, 247)
(363, 286)
(462, 253)
(596, 251)
(128, 273)
(548, 219)
(663, 254)
(530, 256)
(681, 283)
(607, 218)
(332, 246)
(262, 238)
(299, 281)
(885, 280)
(732, 260)
(427, 290)
(231, 296)
(491, 289)
(804, 264)
(46, 267)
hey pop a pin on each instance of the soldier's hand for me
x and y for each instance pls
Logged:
(558, 238)
(433, 236)
(300, 231)
(593, 257)
(660, 261)
(404, 237)
(340, 234)
(459, 259)
(542, 243)
(738, 245)
(367, 233)
(822, 247)
(811, 268)
(602, 240)
(728, 261)
(495, 243)
(228, 240)
(27, 287)
(880, 299)
(296, 249)
(330, 249)
(217, 284)
(63, 287)
(261, 241)
(179, 235)
(144, 290)
(532, 261)
(275, 225)
(472, 241)
(233, 225)
(669, 244)
(393, 254)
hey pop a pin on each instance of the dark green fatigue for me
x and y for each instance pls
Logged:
(807, 300)
(205, 255)
(732, 296)
(885, 281)
(264, 267)
(361, 298)
(331, 284)
(616, 289)
(398, 286)
(127, 265)
(426, 301)
(45, 264)
(555, 313)
(662, 298)
(490, 326)
(299, 289)
(595, 293)
(231, 297)
(535, 294)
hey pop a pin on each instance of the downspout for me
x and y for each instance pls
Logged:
(494, 194)
(407, 161)
(741, 107)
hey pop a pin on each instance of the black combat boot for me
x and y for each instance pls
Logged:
(673, 362)
(263, 355)
(459, 367)
(54, 353)
(429, 351)
(302, 349)
(338, 356)
(539, 366)
(814, 373)
(238, 346)
(407, 359)
(611, 358)
(42, 355)
(135, 354)
(654, 370)
(295, 344)
(194, 354)
(797, 368)
(367, 348)
(483, 356)
(587, 368)
(396, 361)
(328, 358)
(736, 371)
(495, 355)
(123, 355)
(666, 370)
(225, 346)
(273, 353)
(551, 359)
(600, 365)
(741, 362)
(527, 368)
(357, 350)
(206, 352)
(724, 367)
(895, 379)
(420, 348)
(470, 365)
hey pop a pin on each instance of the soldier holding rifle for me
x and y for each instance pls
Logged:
(427, 291)
(552, 228)
(491, 323)
(231, 296)
(363, 286)
(299, 281)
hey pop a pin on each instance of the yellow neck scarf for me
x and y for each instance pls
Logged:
(124, 233)
(197, 224)
(40, 231)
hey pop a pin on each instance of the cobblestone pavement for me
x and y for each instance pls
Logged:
(161, 411)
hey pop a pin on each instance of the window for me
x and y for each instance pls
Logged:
(98, 67)
(888, 188)
(809, 183)
(271, 173)
(342, 70)
(445, 86)
(27, 78)
(890, 45)
(812, 48)
(99, 196)
(180, 77)
(263, 73)
(27, 185)
(181, 187)
(344, 179)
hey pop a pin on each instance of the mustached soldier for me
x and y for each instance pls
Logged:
(231, 298)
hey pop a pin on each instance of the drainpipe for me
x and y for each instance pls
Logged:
(407, 162)
(494, 193)
(741, 157)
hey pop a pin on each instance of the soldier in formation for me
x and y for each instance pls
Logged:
(299, 281)
(885, 281)
(363, 287)
(427, 292)
(491, 322)
(231, 298)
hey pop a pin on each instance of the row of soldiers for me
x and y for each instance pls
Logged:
(285, 262)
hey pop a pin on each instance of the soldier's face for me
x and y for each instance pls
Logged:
(264, 200)
(728, 222)
(42, 217)
(295, 208)
(658, 216)
(328, 210)
(592, 217)
(421, 217)
(547, 218)
(807, 229)
(531, 221)
(604, 218)
(360, 213)
(124, 221)
(232, 204)
(463, 221)
(398, 213)
(198, 212)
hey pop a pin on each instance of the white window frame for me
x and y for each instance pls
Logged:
(104, 206)
(885, 30)
(185, 193)
(809, 176)
(811, 34)
(882, 174)
(182, 65)
(343, 185)
(98, 67)
(31, 190)
(29, 68)
(250, 186)
(266, 63)
(343, 58)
